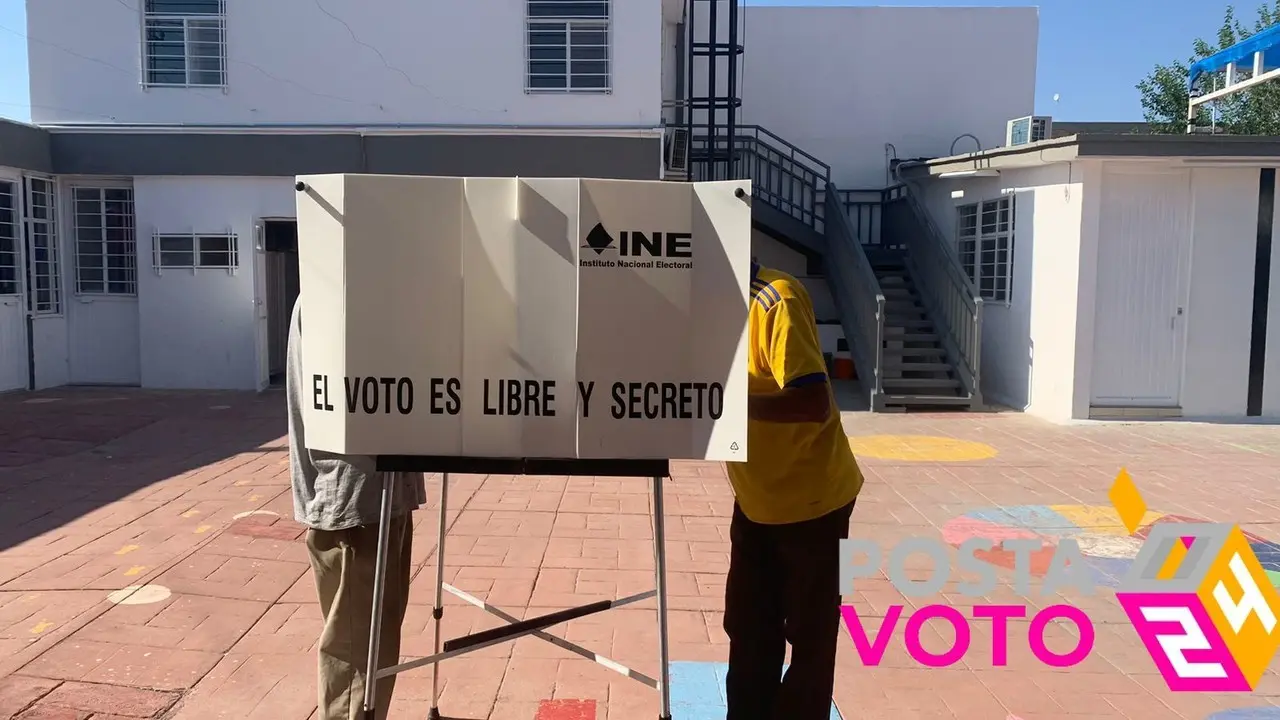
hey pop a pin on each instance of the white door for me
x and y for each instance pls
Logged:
(261, 308)
(1144, 244)
(13, 310)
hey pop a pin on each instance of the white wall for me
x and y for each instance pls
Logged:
(199, 329)
(450, 63)
(1039, 349)
(840, 82)
(1028, 344)
(773, 254)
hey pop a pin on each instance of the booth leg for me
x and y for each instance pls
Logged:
(379, 585)
(438, 611)
(660, 572)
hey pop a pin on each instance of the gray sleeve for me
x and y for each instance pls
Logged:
(294, 393)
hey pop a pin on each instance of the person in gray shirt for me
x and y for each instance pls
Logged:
(338, 498)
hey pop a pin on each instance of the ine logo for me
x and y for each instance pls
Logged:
(599, 239)
(637, 249)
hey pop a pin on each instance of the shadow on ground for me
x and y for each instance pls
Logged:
(66, 453)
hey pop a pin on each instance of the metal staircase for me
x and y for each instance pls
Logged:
(915, 366)
(911, 317)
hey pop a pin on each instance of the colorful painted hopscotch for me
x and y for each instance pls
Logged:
(697, 691)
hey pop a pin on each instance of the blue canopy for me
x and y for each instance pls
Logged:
(1266, 42)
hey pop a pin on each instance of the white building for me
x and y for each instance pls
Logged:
(146, 216)
(1132, 277)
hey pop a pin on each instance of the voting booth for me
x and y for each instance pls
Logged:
(524, 326)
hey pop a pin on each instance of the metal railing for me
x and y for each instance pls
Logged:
(864, 208)
(782, 175)
(948, 293)
(857, 294)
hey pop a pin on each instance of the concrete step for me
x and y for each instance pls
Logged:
(917, 366)
(933, 352)
(892, 304)
(921, 383)
(910, 337)
(914, 400)
(904, 323)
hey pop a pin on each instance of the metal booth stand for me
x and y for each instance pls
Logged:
(656, 470)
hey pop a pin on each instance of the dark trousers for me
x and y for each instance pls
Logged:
(783, 587)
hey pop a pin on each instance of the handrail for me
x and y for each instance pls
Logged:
(784, 176)
(864, 208)
(798, 184)
(948, 293)
(795, 150)
(857, 293)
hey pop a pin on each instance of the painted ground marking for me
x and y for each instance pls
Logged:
(139, 595)
(697, 691)
(566, 710)
(920, 448)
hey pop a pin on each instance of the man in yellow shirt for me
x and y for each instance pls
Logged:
(795, 495)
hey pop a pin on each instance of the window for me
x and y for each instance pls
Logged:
(189, 251)
(186, 43)
(42, 242)
(106, 249)
(567, 46)
(984, 239)
(10, 284)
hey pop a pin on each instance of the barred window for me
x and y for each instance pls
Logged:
(191, 251)
(185, 43)
(106, 246)
(10, 239)
(984, 239)
(567, 46)
(42, 242)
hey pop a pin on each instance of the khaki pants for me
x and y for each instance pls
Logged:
(343, 562)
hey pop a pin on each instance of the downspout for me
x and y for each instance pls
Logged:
(681, 97)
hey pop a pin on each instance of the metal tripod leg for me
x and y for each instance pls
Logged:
(660, 572)
(379, 587)
(438, 611)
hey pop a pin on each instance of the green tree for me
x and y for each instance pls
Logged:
(1255, 111)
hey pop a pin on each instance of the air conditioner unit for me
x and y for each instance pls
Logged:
(677, 150)
(1032, 128)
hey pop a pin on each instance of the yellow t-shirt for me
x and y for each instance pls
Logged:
(794, 471)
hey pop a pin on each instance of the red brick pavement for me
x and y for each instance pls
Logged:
(106, 489)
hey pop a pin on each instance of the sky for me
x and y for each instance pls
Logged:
(1091, 86)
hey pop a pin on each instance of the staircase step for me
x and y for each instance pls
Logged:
(893, 281)
(917, 366)
(903, 324)
(930, 383)
(927, 400)
(897, 292)
(935, 351)
(912, 337)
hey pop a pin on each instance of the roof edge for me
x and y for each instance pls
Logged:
(1101, 145)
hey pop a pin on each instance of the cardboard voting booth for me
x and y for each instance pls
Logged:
(514, 317)
(524, 326)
